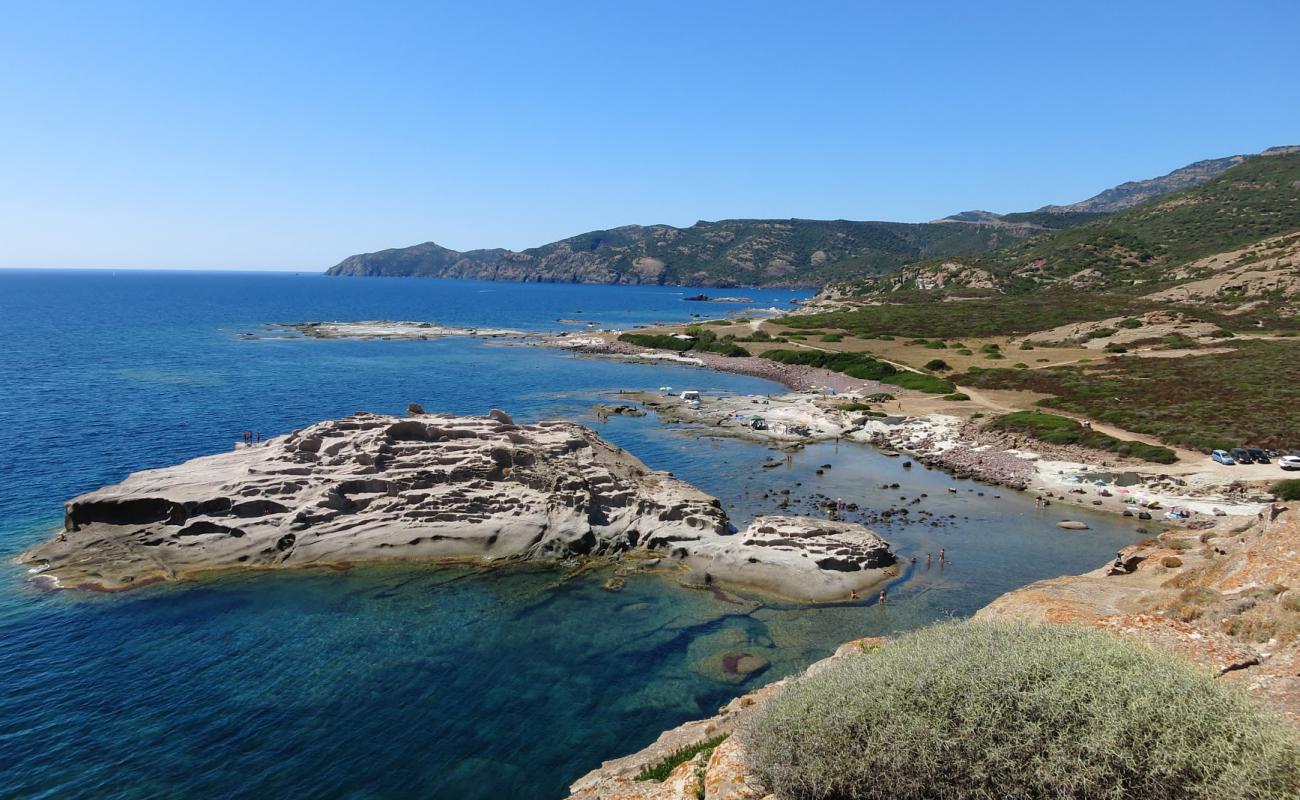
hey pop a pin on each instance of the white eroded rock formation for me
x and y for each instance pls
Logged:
(373, 487)
(801, 558)
(434, 487)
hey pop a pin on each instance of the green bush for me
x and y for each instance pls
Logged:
(705, 340)
(1114, 347)
(921, 383)
(1055, 429)
(728, 349)
(1288, 489)
(1130, 323)
(855, 365)
(880, 397)
(963, 351)
(956, 396)
(994, 356)
(973, 710)
(1025, 345)
(659, 341)
(670, 762)
(937, 365)
(936, 345)
(1101, 333)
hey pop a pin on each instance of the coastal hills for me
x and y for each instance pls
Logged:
(1150, 243)
(775, 252)
(744, 252)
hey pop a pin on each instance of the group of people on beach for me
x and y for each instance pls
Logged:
(252, 438)
(929, 559)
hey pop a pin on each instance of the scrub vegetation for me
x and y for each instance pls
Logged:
(1214, 401)
(661, 770)
(702, 340)
(969, 710)
(1063, 430)
(860, 365)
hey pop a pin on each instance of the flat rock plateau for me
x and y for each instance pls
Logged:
(389, 329)
(437, 487)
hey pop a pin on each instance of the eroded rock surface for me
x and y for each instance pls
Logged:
(371, 487)
(1227, 600)
(437, 487)
(801, 558)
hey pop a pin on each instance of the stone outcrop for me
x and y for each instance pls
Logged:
(721, 775)
(436, 487)
(801, 558)
(372, 487)
(1226, 600)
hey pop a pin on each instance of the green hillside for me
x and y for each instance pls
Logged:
(791, 252)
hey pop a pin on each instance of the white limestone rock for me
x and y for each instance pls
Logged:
(373, 487)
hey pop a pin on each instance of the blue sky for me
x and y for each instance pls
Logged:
(290, 135)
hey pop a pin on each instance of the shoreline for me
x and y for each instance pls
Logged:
(1060, 475)
(445, 489)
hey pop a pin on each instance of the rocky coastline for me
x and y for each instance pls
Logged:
(1227, 602)
(437, 487)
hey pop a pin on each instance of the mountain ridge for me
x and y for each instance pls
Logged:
(771, 252)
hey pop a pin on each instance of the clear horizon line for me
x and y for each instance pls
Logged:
(99, 268)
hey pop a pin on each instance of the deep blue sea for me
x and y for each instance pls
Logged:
(398, 681)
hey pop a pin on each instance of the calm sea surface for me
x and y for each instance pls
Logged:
(398, 681)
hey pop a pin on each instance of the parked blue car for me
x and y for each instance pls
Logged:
(1222, 457)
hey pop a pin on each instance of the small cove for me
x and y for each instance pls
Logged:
(395, 681)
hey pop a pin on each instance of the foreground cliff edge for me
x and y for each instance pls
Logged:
(436, 487)
(1228, 602)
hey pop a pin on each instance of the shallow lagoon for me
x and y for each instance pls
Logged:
(404, 680)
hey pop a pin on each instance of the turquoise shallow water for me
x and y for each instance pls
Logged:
(396, 681)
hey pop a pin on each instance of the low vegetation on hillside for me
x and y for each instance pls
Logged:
(701, 340)
(1055, 429)
(860, 365)
(1249, 396)
(665, 766)
(967, 711)
(925, 314)
(1135, 251)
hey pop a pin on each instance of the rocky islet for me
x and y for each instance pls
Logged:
(437, 487)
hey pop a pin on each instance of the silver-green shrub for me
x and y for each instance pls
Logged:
(1003, 711)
